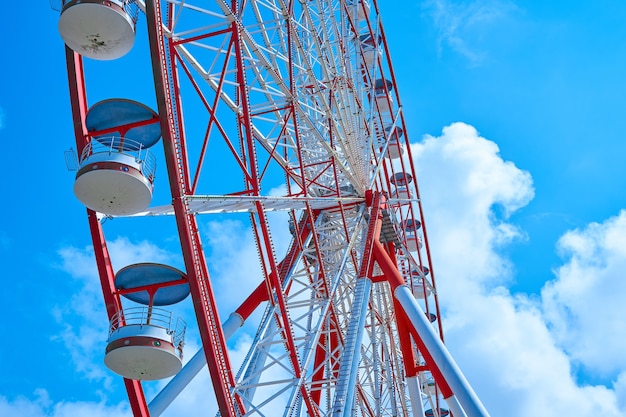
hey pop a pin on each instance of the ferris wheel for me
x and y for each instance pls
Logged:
(265, 106)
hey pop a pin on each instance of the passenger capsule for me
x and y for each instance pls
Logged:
(382, 95)
(99, 29)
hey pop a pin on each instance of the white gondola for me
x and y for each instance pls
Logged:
(390, 135)
(402, 193)
(395, 149)
(382, 95)
(371, 48)
(432, 317)
(116, 171)
(146, 343)
(358, 9)
(401, 180)
(420, 286)
(413, 240)
(115, 180)
(99, 29)
(420, 289)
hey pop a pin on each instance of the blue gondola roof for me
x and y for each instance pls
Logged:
(144, 274)
(111, 113)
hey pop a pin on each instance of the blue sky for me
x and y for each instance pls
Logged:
(515, 110)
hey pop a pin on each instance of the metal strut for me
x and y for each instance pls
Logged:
(200, 285)
(348, 369)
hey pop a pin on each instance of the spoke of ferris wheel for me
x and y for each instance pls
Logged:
(454, 377)
(354, 158)
(344, 394)
(255, 360)
(305, 119)
(178, 383)
(440, 355)
(215, 204)
(348, 368)
(308, 325)
(415, 395)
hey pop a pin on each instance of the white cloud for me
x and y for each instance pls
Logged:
(620, 389)
(234, 257)
(506, 350)
(233, 261)
(500, 340)
(462, 179)
(584, 304)
(41, 406)
(461, 25)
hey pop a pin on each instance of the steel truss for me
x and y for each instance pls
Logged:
(283, 97)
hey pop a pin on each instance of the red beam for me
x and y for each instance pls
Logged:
(201, 289)
(78, 101)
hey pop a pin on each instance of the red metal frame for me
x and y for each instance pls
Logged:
(78, 100)
(184, 181)
(200, 284)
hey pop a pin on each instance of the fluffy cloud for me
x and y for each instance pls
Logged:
(462, 26)
(502, 341)
(464, 184)
(42, 406)
(584, 304)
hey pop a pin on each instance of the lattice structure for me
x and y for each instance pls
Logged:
(276, 105)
